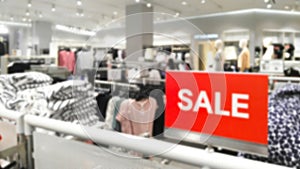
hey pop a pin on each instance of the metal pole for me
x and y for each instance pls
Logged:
(163, 149)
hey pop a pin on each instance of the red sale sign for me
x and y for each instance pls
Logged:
(229, 105)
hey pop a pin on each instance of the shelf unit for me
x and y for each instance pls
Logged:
(284, 36)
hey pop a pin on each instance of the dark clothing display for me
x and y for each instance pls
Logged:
(102, 101)
(159, 120)
(292, 72)
(20, 66)
(290, 49)
(2, 49)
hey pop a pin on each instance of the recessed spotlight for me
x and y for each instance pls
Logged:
(40, 15)
(27, 13)
(149, 5)
(176, 14)
(266, 1)
(115, 13)
(24, 19)
(53, 8)
(269, 6)
(29, 5)
(29, 20)
(79, 2)
(203, 2)
(183, 3)
(287, 7)
(11, 18)
(137, 1)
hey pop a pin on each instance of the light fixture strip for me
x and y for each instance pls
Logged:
(75, 30)
(15, 24)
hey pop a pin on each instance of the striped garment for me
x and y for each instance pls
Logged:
(70, 101)
(21, 81)
(32, 93)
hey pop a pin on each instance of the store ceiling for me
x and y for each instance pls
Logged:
(99, 12)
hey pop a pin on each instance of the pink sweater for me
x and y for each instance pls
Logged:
(137, 118)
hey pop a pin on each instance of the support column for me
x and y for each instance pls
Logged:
(42, 34)
(139, 30)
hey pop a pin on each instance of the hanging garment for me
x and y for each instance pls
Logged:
(2, 49)
(116, 124)
(102, 102)
(85, 60)
(284, 127)
(137, 117)
(159, 121)
(67, 59)
(110, 112)
(155, 76)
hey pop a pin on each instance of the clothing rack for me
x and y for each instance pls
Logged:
(286, 79)
(149, 80)
(134, 87)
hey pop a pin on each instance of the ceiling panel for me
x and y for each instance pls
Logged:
(100, 12)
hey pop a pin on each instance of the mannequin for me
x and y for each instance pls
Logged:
(2, 47)
(268, 55)
(244, 57)
(219, 58)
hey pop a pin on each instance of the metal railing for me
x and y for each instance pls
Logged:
(163, 149)
(20, 148)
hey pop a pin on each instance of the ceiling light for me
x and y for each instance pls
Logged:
(115, 13)
(24, 19)
(11, 18)
(2, 1)
(40, 15)
(53, 8)
(79, 12)
(266, 1)
(3, 29)
(176, 14)
(29, 20)
(269, 6)
(79, 2)
(137, 1)
(15, 24)
(183, 3)
(287, 7)
(75, 30)
(27, 13)
(29, 5)
(203, 2)
(149, 5)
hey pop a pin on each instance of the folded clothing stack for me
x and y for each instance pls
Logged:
(11, 84)
(71, 101)
(32, 93)
(22, 81)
